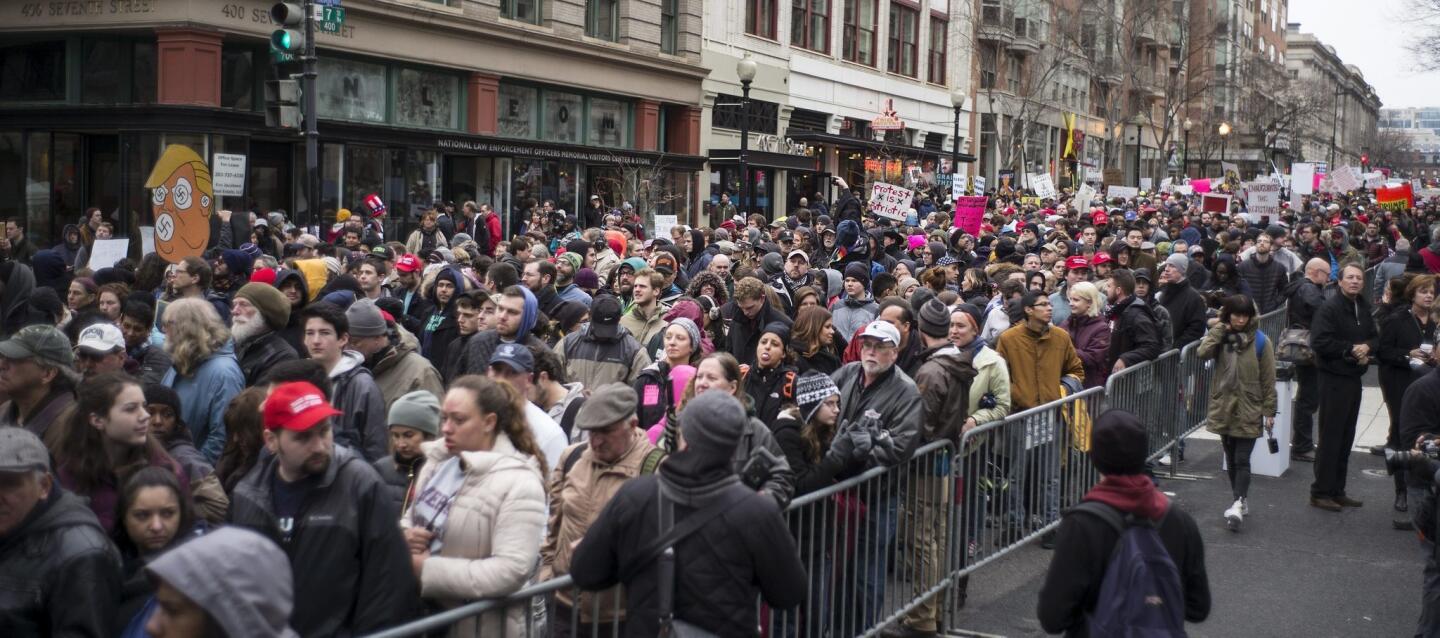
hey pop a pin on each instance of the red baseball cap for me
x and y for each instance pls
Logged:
(408, 263)
(1099, 218)
(263, 275)
(1103, 258)
(1076, 261)
(296, 406)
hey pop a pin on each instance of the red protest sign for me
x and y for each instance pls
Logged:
(969, 212)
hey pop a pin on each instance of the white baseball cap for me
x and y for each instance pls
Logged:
(882, 330)
(101, 338)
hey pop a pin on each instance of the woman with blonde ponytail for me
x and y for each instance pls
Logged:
(475, 526)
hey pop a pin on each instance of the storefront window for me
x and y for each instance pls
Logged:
(37, 182)
(142, 81)
(563, 116)
(104, 76)
(12, 174)
(141, 151)
(536, 180)
(364, 174)
(516, 116)
(674, 198)
(65, 184)
(33, 72)
(428, 99)
(727, 180)
(609, 122)
(331, 170)
(351, 90)
(422, 179)
(470, 179)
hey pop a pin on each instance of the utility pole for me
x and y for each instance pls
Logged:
(312, 133)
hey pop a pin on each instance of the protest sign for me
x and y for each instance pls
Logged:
(961, 182)
(1043, 186)
(1084, 195)
(979, 184)
(1167, 185)
(663, 224)
(890, 201)
(969, 212)
(180, 204)
(1302, 177)
(1345, 178)
(147, 240)
(1147, 183)
(1211, 203)
(105, 252)
(1398, 198)
(1262, 199)
(1092, 174)
(1200, 185)
(1122, 192)
(1374, 180)
(1185, 189)
(1230, 171)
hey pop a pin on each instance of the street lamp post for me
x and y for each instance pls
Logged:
(745, 69)
(1138, 121)
(957, 99)
(1185, 161)
(1224, 136)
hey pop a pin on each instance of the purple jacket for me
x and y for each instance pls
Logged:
(1092, 342)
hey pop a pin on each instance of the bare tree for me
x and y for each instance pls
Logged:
(1390, 148)
(646, 187)
(1424, 16)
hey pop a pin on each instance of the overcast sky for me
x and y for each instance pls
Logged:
(1371, 35)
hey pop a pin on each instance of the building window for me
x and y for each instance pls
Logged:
(939, 31)
(237, 77)
(810, 24)
(764, 116)
(904, 36)
(988, 70)
(669, 26)
(601, 18)
(521, 10)
(859, 37)
(760, 18)
(33, 72)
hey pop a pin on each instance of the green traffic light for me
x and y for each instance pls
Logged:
(285, 40)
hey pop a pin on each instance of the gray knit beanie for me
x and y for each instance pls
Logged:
(712, 423)
(690, 329)
(935, 319)
(419, 409)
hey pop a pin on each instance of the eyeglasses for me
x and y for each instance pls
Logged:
(876, 345)
(1041, 304)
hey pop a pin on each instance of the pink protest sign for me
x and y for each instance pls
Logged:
(1201, 185)
(969, 212)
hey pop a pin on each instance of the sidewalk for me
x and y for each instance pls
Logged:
(1293, 571)
(1372, 428)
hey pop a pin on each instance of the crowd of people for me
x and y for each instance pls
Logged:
(319, 431)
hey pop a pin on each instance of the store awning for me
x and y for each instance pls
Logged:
(843, 141)
(764, 159)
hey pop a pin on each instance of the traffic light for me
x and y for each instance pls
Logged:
(289, 39)
(1364, 159)
(282, 104)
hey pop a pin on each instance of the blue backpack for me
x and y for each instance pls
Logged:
(1141, 595)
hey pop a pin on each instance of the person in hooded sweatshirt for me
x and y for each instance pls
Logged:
(744, 549)
(441, 326)
(254, 598)
(69, 246)
(15, 309)
(292, 284)
(1085, 542)
(327, 340)
(857, 307)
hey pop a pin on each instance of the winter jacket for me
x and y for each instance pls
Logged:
(573, 294)
(1431, 256)
(1036, 362)
(15, 309)
(894, 396)
(104, 498)
(577, 496)
(261, 353)
(1266, 280)
(51, 409)
(204, 395)
(779, 481)
(641, 327)
(849, 315)
(847, 206)
(943, 383)
(21, 250)
(1387, 270)
(719, 568)
(1417, 416)
(440, 326)
(745, 332)
(1059, 305)
(1304, 298)
(361, 425)
(59, 573)
(770, 389)
(992, 378)
(1091, 336)
(232, 234)
(1187, 311)
(1339, 324)
(152, 363)
(809, 474)
(1242, 388)
(351, 565)
(399, 478)
(491, 538)
(402, 370)
(595, 362)
(1084, 545)
(478, 350)
(1134, 334)
(417, 241)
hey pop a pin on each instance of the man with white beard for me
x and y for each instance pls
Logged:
(257, 314)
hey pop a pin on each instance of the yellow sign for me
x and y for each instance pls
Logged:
(181, 203)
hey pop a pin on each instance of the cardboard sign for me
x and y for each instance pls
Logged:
(890, 201)
(979, 184)
(1345, 178)
(1147, 183)
(1200, 185)
(228, 175)
(1121, 192)
(1398, 198)
(1302, 178)
(663, 224)
(180, 204)
(1114, 176)
(1084, 195)
(961, 182)
(969, 213)
(1167, 185)
(105, 252)
(1231, 171)
(1374, 180)
(1043, 186)
(1262, 199)
(1215, 203)
(1185, 189)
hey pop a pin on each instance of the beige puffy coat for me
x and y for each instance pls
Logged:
(491, 540)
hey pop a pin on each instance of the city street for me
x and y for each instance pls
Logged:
(1293, 570)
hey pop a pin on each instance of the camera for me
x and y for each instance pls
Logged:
(1423, 460)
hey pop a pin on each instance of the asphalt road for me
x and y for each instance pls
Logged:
(1292, 571)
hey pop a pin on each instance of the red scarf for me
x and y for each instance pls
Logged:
(1134, 493)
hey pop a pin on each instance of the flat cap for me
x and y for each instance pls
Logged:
(608, 405)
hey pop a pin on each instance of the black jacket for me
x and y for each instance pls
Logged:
(399, 477)
(258, 355)
(770, 389)
(1083, 547)
(1187, 311)
(718, 570)
(745, 332)
(1339, 324)
(59, 574)
(1135, 336)
(1417, 416)
(1266, 280)
(351, 565)
(1305, 298)
(847, 206)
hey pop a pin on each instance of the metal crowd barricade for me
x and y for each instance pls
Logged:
(1151, 391)
(1195, 377)
(1274, 323)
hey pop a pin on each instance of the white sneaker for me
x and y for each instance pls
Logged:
(1244, 506)
(1165, 460)
(1235, 515)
